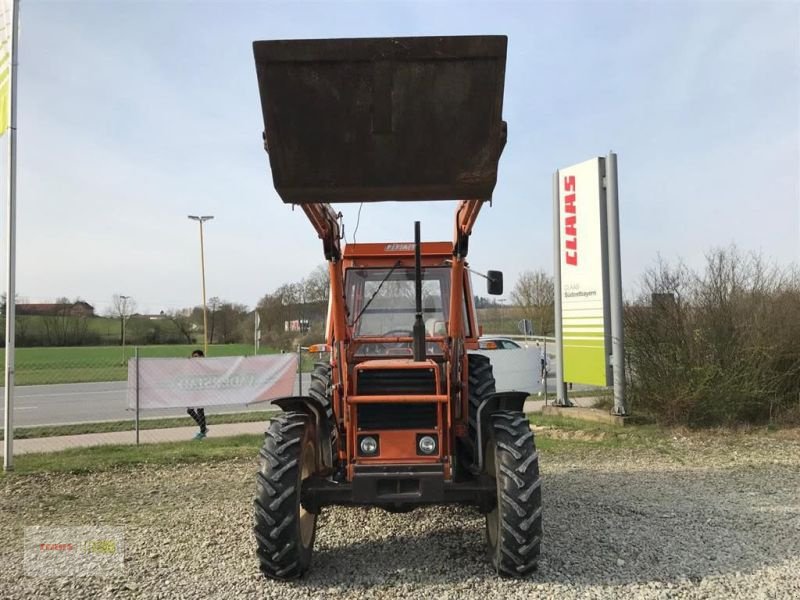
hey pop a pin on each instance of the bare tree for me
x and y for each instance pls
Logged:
(182, 319)
(316, 286)
(716, 346)
(122, 307)
(534, 293)
(214, 304)
(233, 323)
(65, 327)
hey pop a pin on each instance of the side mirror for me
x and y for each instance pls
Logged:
(494, 282)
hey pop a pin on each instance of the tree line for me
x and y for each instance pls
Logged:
(305, 300)
(718, 345)
(710, 346)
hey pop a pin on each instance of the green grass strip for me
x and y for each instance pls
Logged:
(22, 433)
(106, 458)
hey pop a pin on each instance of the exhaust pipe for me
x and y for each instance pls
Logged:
(419, 325)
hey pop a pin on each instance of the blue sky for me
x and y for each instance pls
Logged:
(135, 114)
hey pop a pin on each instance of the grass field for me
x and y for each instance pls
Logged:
(554, 435)
(100, 363)
(562, 435)
(104, 458)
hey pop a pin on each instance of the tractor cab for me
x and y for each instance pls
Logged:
(379, 284)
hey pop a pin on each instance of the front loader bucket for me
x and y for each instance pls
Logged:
(368, 120)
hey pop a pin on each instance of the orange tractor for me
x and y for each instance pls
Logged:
(401, 415)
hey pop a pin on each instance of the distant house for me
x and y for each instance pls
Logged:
(74, 309)
(296, 325)
(154, 317)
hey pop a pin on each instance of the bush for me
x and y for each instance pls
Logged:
(717, 348)
(281, 340)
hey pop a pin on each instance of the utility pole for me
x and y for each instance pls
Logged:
(9, 64)
(123, 313)
(201, 220)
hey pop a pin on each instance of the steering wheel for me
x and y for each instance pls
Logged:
(385, 348)
(398, 333)
(389, 346)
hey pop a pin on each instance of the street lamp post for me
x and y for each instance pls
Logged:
(201, 220)
(123, 309)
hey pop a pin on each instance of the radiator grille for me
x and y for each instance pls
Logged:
(396, 415)
(382, 382)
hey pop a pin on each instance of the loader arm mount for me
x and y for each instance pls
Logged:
(325, 221)
(466, 215)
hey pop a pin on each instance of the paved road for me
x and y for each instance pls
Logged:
(59, 404)
(87, 402)
(173, 434)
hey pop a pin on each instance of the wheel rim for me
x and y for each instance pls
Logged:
(307, 519)
(492, 518)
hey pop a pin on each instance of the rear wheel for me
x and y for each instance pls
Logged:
(283, 528)
(514, 527)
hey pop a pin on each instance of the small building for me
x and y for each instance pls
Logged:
(301, 325)
(72, 309)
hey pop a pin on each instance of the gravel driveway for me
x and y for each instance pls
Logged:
(698, 517)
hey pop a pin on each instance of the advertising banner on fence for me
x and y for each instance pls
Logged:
(202, 382)
(584, 281)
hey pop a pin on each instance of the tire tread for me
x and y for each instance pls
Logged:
(275, 508)
(519, 495)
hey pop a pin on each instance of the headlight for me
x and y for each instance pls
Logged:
(427, 444)
(368, 445)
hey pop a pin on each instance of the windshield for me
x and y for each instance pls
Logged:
(382, 301)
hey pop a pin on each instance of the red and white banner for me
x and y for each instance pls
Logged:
(201, 382)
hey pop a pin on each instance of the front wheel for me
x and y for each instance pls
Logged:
(514, 527)
(283, 528)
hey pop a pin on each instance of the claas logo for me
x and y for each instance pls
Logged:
(570, 231)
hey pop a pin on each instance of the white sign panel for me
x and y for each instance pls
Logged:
(514, 370)
(201, 382)
(584, 289)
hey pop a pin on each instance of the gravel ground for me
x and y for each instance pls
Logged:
(695, 517)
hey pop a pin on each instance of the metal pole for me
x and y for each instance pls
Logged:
(123, 310)
(561, 388)
(299, 370)
(615, 286)
(136, 358)
(419, 325)
(203, 274)
(545, 371)
(201, 219)
(255, 332)
(11, 250)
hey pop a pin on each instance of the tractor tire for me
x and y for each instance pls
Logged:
(283, 528)
(481, 384)
(320, 388)
(514, 527)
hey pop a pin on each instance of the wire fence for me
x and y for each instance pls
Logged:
(72, 398)
(68, 398)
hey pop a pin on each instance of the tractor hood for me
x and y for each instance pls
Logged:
(369, 120)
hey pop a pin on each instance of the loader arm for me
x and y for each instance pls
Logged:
(466, 215)
(326, 222)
